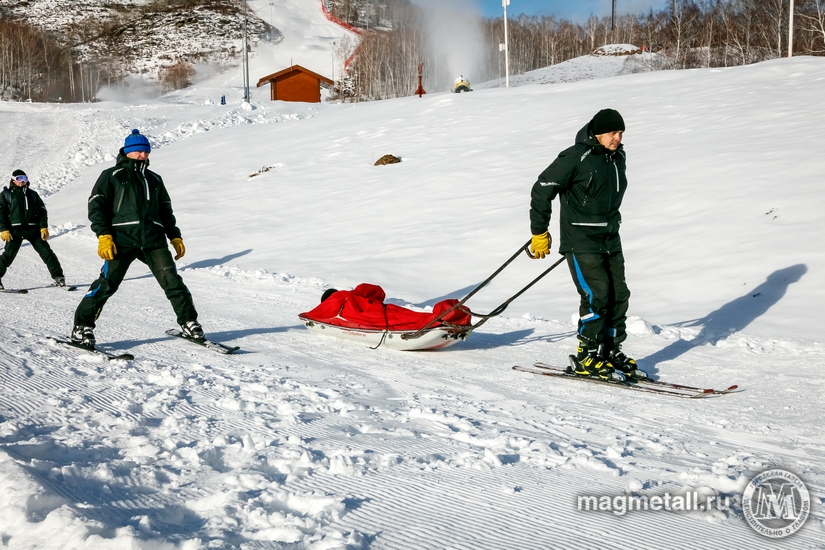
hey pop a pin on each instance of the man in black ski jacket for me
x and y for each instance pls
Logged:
(131, 214)
(23, 216)
(589, 179)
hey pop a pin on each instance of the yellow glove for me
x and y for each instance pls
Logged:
(180, 250)
(106, 247)
(6, 236)
(540, 245)
(44, 234)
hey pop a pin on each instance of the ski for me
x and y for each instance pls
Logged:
(102, 353)
(208, 344)
(67, 288)
(657, 383)
(627, 384)
(14, 290)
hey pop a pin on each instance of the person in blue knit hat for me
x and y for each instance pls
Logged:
(23, 216)
(131, 214)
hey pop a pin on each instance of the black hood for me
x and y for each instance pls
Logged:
(14, 187)
(586, 137)
(125, 162)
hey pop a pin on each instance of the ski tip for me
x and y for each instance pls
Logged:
(698, 395)
(734, 387)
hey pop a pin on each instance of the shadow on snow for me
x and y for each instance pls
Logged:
(731, 317)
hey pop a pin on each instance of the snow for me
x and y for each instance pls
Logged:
(617, 49)
(309, 442)
(607, 61)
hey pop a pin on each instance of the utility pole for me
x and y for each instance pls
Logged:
(245, 59)
(613, 19)
(790, 32)
(506, 46)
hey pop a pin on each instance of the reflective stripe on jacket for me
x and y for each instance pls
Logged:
(21, 207)
(130, 203)
(590, 182)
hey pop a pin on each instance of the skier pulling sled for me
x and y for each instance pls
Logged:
(361, 315)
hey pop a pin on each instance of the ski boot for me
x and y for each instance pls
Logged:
(588, 363)
(60, 281)
(83, 336)
(192, 330)
(1, 285)
(626, 365)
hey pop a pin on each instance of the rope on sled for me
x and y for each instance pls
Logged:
(386, 328)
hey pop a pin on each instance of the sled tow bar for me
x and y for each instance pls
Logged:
(497, 311)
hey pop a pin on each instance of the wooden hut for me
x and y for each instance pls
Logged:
(295, 83)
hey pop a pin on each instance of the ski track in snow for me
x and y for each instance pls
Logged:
(94, 135)
(301, 440)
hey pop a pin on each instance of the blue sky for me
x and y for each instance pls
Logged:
(577, 10)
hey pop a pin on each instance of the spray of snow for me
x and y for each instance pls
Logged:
(133, 90)
(455, 33)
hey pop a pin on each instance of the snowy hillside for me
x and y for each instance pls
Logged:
(142, 37)
(81, 135)
(307, 442)
(587, 67)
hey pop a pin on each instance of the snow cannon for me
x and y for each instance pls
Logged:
(461, 84)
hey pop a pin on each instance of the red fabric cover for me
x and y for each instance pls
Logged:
(364, 308)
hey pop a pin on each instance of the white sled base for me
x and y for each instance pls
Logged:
(434, 338)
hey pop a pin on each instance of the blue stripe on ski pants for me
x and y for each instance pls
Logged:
(593, 315)
(105, 272)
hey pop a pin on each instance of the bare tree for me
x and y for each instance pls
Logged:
(813, 22)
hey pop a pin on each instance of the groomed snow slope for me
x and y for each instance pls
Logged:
(586, 67)
(305, 442)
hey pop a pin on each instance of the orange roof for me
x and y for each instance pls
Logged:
(269, 78)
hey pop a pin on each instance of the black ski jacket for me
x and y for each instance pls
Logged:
(22, 208)
(590, 182)
(130, 203)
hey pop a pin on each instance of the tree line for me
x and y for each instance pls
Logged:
(684, 33)
(32, 64)
(37, 66)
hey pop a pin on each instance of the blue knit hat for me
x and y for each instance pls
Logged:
(136, 142)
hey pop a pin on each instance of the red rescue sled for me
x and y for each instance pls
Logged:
(361, 315)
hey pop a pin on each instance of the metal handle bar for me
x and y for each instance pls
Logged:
(525, 248)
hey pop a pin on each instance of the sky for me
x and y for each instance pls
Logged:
(579, 10)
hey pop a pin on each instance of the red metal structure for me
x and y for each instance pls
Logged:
(420, 91)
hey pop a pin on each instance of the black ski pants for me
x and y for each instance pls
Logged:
(600, 280)
(112, 273)
(40, 246)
